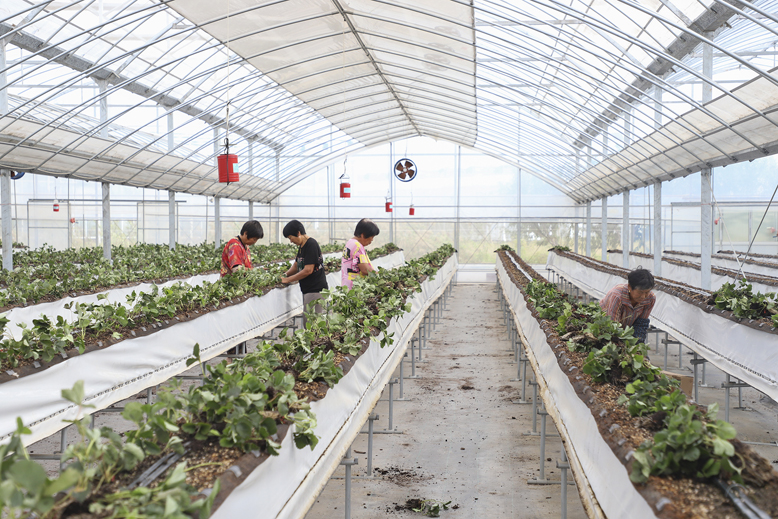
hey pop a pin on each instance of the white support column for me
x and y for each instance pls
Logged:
(625, 245)
(251, 210)
(658, 229)
(518, 222)
(391, 192)
(217, 221)
(276, 202)
(171, 219)
(589, 229)
(5, 175)
(706, 222)
(106, 220)
(171, 195)
(604, 230)
(706, 211)
(575, 228)
(5, 200)
(459, 193)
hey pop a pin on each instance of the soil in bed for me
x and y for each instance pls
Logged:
(678, 497)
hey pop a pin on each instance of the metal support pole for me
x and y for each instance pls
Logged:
(658, 229)
(370, 419)
(604, 230)
(564, 465)
(5, 214)
(171, 219)
(589, 229)
(348, 461)
(251, 211)
(534, 431)
(390, 429)
(217, 222)
(402, 378)
(106, 220)
(727, 385)
(413, 358)
(625, 229)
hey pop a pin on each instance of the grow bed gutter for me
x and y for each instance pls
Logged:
(743, 349)
(689, 273)
(128, 367)
(601, 479)
(287, 485)
(53, 309)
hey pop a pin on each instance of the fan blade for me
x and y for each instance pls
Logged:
(408, 164)
(411, 173)
(398, 167)
(402, 175)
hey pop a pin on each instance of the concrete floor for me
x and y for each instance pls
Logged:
(462, 434)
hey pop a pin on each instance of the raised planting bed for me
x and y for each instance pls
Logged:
(149, 353)
(64, 306)
(637, 447)
(686, 269)
(745, 348)
(45, 275)
(233, 439)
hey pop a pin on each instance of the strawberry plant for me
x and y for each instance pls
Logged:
(692, 444)
(740, 299)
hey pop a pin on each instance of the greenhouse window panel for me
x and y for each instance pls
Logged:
(347, 32)
(720, 133)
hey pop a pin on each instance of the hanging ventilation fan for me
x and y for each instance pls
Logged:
(405, 170)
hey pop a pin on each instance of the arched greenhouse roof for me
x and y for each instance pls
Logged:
(595, 97)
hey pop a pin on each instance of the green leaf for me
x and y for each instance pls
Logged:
(29, 475)
(76, 394)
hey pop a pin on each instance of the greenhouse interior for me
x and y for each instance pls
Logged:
(440, 258)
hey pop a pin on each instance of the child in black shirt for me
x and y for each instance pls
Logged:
(308, 266)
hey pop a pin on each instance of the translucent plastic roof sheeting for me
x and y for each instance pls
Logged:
(593, 96)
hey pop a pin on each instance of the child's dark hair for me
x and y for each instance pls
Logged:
(640, 279)
(253, 229)
(293, 228)
(366, 228)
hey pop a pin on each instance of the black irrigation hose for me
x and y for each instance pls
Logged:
(742, 502)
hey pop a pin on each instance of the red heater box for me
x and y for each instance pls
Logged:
(412, 211)
(228, 168)
(388, 206)
(345, 186)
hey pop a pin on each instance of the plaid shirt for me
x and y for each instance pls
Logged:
(618, 306)
(234, 254)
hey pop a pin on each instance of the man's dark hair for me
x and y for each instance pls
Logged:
(252, 229)
(293, 228)
(641, 279)
(366, 228)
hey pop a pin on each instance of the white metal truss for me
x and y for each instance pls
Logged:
(594, 96)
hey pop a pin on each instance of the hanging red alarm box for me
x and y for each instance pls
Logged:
(388, 206)
(56, 206)
(412, 211)
(345, 186)
(228, 168)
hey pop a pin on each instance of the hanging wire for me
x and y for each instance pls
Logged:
(760, 224)
(229, 53)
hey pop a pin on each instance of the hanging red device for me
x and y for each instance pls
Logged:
(412, 211)
(345, 186)
(56, 206)
(388, 206)
(228, 165)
